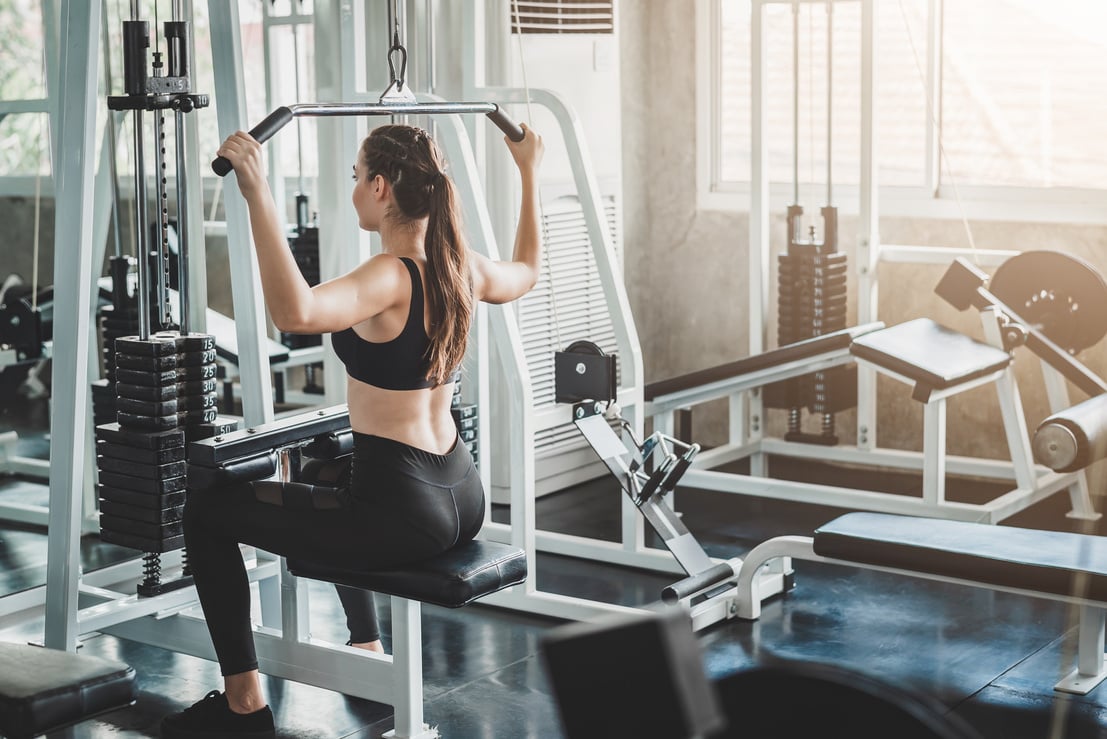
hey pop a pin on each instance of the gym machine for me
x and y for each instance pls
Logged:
(812, 282)
(163, 379)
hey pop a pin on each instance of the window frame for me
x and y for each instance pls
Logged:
(933, 200)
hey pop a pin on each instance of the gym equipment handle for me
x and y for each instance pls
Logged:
(262, 132)
(282, 116)
(510, 128)
(695, 583)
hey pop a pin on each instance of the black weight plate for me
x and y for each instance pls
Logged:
(155, 346)
(142, 543)
(198, 416)
(466, 410)
(159, 408)
(117, 434)
(153, 393)
(1062, 295)
(147, 423)
(139, 513)
(154, 501)
(144, 377)
(141, 528)
(188, 342)
(199, 372)
(142, 456)
(198, 402)
(198, 387)
(143, 485)
(191, 359)
(148, 364)
(221, 425)
(146, 471)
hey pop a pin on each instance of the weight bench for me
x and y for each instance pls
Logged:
(818, 353)
(452, 579)
(1057, 565)
(46, 690)
(940, 362)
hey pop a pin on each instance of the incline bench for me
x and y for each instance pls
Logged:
(453, 579)
(1062, 566)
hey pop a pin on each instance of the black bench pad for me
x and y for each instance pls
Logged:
(927, 352)
(46, 689)
(1041, 561)
(804, 349)
(452, 579)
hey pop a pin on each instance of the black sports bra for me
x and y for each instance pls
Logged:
(399, 364)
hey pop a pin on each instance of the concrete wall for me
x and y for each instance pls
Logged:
(686, 268)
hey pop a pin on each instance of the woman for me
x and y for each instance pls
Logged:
(399, 322)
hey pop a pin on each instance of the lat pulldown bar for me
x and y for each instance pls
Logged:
(282, 116)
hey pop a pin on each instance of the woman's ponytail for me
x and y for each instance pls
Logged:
(448, 291)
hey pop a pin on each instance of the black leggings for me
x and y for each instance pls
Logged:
(402, 505)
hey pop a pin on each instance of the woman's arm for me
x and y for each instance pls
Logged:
(502, 282)
(293, 305)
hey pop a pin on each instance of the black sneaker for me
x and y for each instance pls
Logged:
(212, 718)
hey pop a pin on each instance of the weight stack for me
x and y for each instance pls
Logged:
(465, 418)
(165, 395)
(116, 320)
(812, 301)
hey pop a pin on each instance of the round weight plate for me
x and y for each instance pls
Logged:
(1057, 293)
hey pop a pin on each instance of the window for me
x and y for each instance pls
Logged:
(1008, 91)
(24, 128)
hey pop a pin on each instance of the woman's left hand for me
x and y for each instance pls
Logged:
(245, 155)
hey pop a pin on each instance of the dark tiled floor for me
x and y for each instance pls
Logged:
(990, 658)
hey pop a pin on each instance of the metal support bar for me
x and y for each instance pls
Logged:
(249, 310)
(73, 172)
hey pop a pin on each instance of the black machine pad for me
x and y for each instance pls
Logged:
(46, 689)
(796, 351)
(932, 355)
(1003, 556)
(452, 579)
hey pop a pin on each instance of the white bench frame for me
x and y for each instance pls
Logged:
(1032, 483)
(175, 622)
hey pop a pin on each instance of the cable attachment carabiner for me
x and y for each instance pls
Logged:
(396, 90)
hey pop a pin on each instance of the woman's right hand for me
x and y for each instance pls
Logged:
(245, 155)
(528, 152)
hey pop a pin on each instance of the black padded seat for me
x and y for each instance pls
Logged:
(1047, 562)
(453, 579)
(42, 690)
(933, 356)
(793, 352)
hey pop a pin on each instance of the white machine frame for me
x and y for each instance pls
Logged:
(747, 420)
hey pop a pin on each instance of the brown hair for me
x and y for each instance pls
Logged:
(411, 161)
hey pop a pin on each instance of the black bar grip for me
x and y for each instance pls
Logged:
(512, 129)
(695, 583)
(262, 132)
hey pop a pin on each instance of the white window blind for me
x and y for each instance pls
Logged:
(562, 16)
(566, 305)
